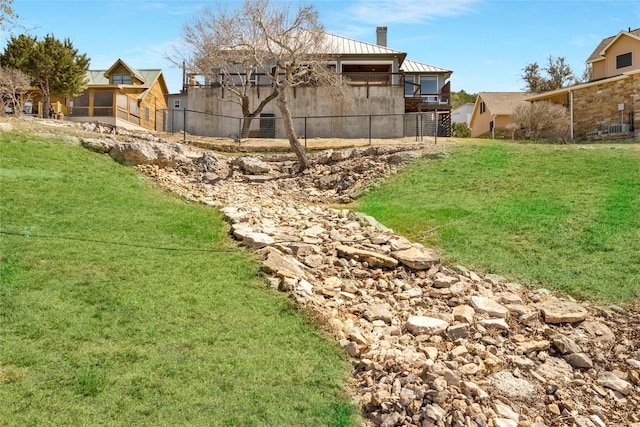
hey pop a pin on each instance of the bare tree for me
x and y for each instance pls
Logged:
(542, 119)
(7, 15)
(14, 85)
(261, 43)
(558, 75)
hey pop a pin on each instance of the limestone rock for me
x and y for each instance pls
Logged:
(555, 311)
(579, 360)
(99, 145)
(373, 259)
(463, 313)
(136, 153)
(610, 380)
(417, 257)
(426, 325)
(488, 306)
(252, 165)
(284, 266)
(511, 386)
(378, 312)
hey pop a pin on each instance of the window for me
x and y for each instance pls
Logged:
(103, 103)
(428, 85)
(483, 108)
(121, 79)
(409, 85)
(80, 105)
(147, 114)
(624, 60)
(176, 104)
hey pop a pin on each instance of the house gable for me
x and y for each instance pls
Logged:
(616, 55)
(494, 109)
(120, 74)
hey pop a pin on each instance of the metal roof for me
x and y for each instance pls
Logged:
(98, 78)
(345, 46)
(409, 66)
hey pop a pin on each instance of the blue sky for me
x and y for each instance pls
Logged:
(486, 43)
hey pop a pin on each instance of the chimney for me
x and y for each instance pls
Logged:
(381, 36)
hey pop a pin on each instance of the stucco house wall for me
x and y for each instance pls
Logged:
(497, 107)
(385, 105)
(605, 66)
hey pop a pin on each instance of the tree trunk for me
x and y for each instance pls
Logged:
(246, 124)
(46, 104)
(291, 132)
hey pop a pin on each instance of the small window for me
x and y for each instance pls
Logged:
(176, 103)
(623, 60)
(409, 85)
(146, 114)
(482, 108)
(121, 79)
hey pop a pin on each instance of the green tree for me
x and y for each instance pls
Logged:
(461, 130)
(558, 74)
(55, 67)
(461, 97)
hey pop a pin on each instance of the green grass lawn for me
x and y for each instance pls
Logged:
(123, 305)
(562, 217)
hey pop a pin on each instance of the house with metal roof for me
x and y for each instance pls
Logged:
(121, 96)
(386, 87)
(608, 105)
(493, 111)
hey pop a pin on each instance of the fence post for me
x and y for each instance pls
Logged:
(435, 141)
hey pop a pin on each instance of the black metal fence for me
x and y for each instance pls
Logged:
(373, 126)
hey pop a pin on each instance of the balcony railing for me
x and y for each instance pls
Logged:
(368, 79)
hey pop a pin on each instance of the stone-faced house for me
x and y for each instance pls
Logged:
(384, 84)
(492, 111)
(608, 106)
(122, 96)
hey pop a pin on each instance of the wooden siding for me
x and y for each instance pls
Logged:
(156, 102)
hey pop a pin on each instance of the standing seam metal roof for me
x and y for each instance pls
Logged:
(345, 46)
(409, 66)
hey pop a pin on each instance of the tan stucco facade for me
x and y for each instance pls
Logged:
(494, 110)
(606, 67)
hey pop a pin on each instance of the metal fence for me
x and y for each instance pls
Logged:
(373, 126)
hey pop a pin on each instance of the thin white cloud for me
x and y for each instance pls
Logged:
(408, 11)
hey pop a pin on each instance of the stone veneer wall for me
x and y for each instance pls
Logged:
(600, 103)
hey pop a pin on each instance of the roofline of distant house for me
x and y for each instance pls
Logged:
(544, 95)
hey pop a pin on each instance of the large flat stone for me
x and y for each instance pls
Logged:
(556, 311)
(488, 306)
(417, 257)
(284, 266)
(423, 325)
